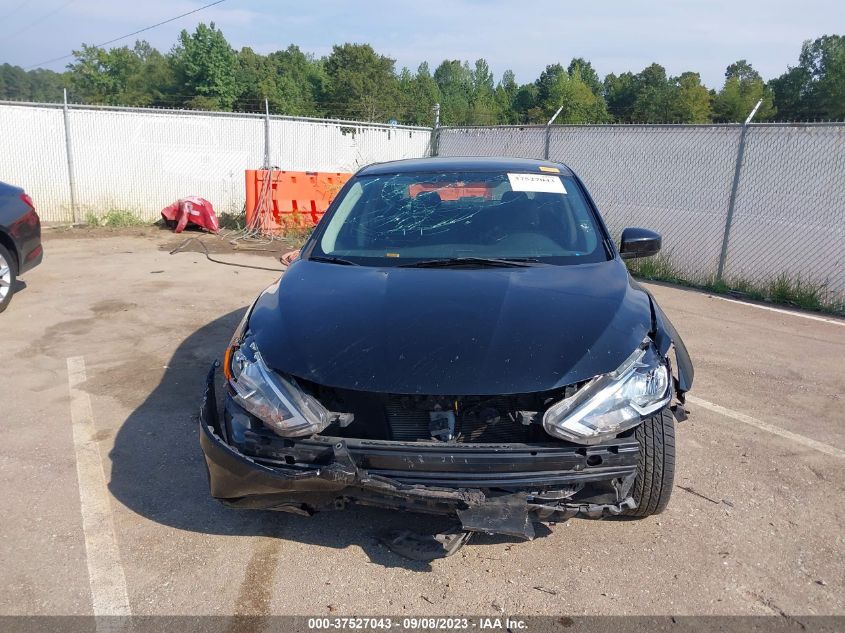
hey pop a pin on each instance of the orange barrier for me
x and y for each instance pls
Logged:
(290, 198)
(453, 191)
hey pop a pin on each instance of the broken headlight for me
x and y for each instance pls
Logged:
(275, 400)
(614, 402)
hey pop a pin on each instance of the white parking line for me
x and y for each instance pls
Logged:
(812, 317)
(105, 572)
(827, 449)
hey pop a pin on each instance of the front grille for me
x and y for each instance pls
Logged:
(409, 423)
(407, 418)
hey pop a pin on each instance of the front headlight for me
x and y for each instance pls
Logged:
(278, 402)
(614, 402)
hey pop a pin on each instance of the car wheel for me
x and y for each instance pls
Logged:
(8, 275)
(655, 465)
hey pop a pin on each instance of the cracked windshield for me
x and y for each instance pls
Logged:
(410, 217)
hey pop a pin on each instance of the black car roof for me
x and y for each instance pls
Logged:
(462, 163)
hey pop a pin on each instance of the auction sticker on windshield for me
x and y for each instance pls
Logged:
(539, 183)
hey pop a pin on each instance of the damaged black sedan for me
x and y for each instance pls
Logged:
(458, 336)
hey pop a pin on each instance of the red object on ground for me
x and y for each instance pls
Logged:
(193, 209)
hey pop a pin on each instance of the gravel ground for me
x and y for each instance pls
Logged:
(754, 525)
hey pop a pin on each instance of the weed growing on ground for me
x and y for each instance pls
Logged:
(115, 218)
(782, 289)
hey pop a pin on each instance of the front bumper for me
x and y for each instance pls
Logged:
(490, 487)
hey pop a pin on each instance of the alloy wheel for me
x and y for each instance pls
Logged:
(5, 278)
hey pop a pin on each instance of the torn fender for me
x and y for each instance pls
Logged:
(665, 335)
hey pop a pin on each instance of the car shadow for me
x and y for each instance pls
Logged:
(158, 470)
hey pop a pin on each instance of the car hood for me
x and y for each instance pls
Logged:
(450, 331)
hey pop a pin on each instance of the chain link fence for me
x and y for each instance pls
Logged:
(140, 160)
(753, 205)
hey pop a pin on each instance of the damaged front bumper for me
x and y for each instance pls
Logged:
(495, 488)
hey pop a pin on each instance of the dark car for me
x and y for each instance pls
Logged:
(458, 336)
(20, 239)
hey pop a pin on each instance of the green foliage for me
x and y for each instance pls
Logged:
(580, 101)
(420, 93)
(206, 66)
(35, 85)
(815, 89)
(742, 90)
(362, 84)
(621, 93)
(653, 97)
(689, 100)
(782, 289)
(115, 218)
(103, 76)
(232, 221)
(356, 82)
(454, 80)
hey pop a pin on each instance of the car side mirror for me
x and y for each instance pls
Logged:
(639, 243)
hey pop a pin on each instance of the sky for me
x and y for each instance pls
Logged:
(616, 36)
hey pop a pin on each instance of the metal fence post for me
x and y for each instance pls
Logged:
(266, 134)
(77, 219)
(435, 131)
(740, 155)
(549, 133)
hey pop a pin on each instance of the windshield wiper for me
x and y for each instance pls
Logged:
(332, 260)
(493, 262)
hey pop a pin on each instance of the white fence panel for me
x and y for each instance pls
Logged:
(141, 160)
(32, 156)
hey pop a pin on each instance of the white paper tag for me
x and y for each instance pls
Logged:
(536, 182)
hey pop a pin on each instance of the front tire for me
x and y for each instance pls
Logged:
(655, 466)
(8, 277)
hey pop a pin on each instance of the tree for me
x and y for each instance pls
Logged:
(653, 100)
(424, 93)
(790, 94)
(587, 73)
(483, 110)
(815, 89)
(742, 90)
(355, 82)
(154, 83)
(454, 80)
(362, 83)
(206, 66)
(525, 102)
(302, 82)
(102, 76)
(557, 88)
(46, 85)
(689, 99)
(506, 92)
(17, 84)
(621, 93)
